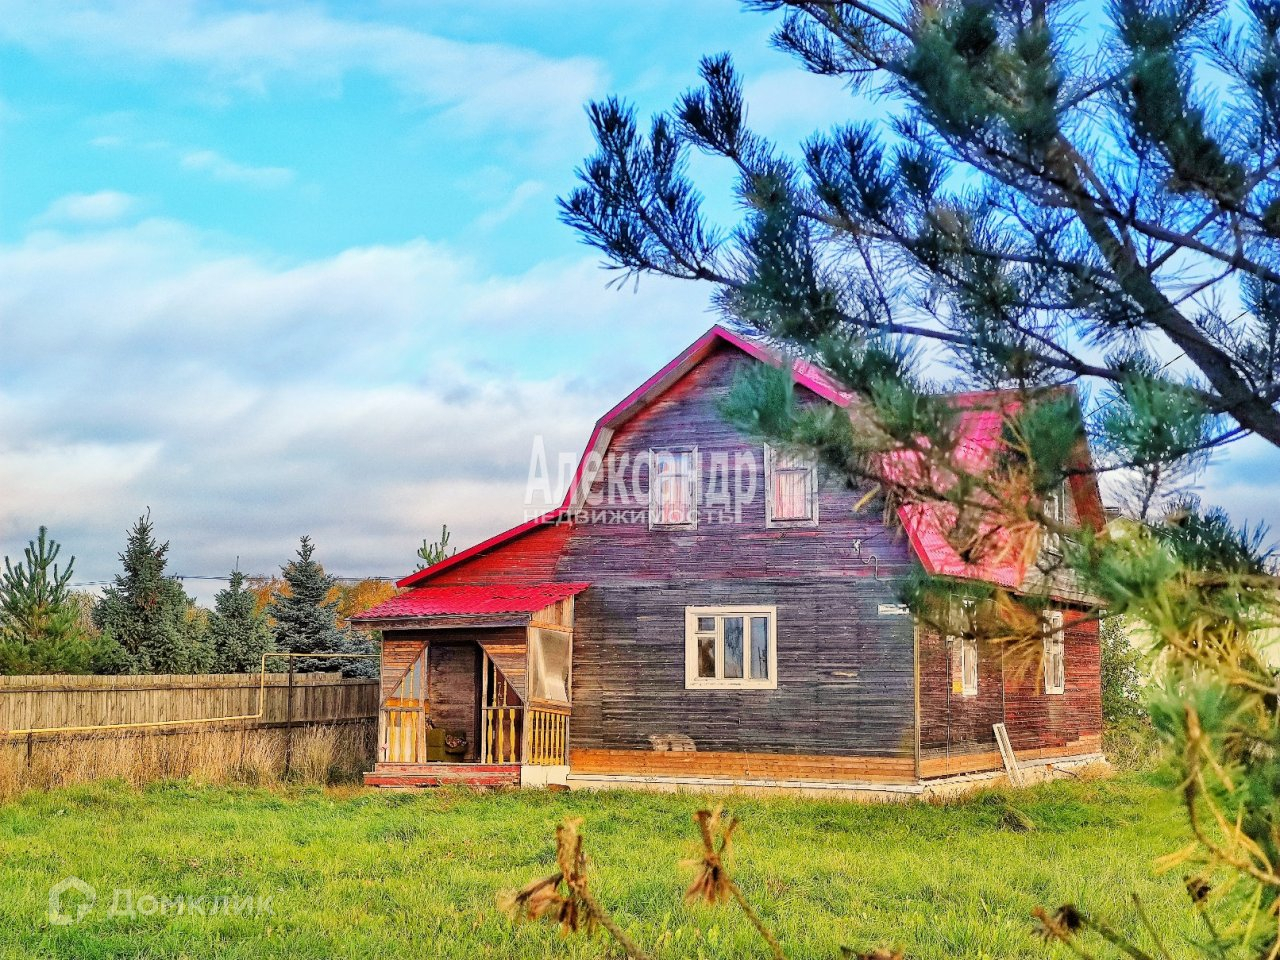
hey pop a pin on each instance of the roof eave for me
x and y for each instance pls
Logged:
(442, 622)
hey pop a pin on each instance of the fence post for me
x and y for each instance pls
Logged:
(288, 727)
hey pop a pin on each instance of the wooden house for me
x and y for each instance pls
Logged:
(702, 612)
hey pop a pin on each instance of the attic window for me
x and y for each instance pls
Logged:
(673, 488)
(792, 485)
(1055, 503)
(1056, 513)
(1055, 652)
(731, 648)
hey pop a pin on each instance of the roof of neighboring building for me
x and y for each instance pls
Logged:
(472, 600)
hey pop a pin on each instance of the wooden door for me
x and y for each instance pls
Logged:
(403, 718)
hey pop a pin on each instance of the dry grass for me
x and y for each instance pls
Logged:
(321, 755)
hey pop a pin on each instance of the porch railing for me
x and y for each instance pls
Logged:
(404, 731)
(548, 734)
(502, 734)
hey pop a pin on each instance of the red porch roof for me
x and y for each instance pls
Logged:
(471, 601)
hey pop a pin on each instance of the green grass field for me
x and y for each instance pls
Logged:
(392, 875)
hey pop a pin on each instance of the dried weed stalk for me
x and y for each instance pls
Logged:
(564, 897)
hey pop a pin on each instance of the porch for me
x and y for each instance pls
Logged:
(474, 695)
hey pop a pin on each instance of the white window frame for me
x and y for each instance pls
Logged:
(964, 646)
(770, 462)
(1056, 511)
(968, 656)
(691, 633)
(695, 483)
(1055, 664)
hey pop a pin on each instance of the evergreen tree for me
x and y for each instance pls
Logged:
(40, 626)
(1037, 203)
(429, 554)
(239, 633)
(148, 614)
(305, 614)
(367, 644)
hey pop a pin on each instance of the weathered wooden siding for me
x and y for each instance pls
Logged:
(952, 724)
(530, 558)
(845, 672)
(1057, 721)
(398, 654)
(956, 731)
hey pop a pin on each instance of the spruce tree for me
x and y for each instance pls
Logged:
(148, 614)
(306, 617)
(238, 632)
(40, 628)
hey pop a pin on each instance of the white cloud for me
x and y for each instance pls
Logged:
(202, 160)
(520, 197)
(363, 398)
(102, 207)
(222, 168)
(479, 85)
(1241, 479)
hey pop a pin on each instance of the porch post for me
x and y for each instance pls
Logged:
(382, 729)
(483, 753)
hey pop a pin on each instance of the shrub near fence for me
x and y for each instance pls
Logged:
(319, 726)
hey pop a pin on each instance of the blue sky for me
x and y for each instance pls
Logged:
(274, 269)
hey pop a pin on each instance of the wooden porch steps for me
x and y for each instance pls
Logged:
(443, 774)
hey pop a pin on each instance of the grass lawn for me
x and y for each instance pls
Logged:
(355, 873)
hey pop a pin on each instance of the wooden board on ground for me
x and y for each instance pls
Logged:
(1006, 754)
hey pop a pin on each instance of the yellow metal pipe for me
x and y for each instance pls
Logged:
(152, 724)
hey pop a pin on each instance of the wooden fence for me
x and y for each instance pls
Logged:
(80, 725)
(52, 703)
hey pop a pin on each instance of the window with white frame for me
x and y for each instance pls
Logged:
(969, 666)
(673, 488)
(1055, 511)
(963, 642)
(731, 648)
(792, 489)
(1055, 652)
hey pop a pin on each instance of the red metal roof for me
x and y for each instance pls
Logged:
(926, 525)
(1005, 561)
(471, 601)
